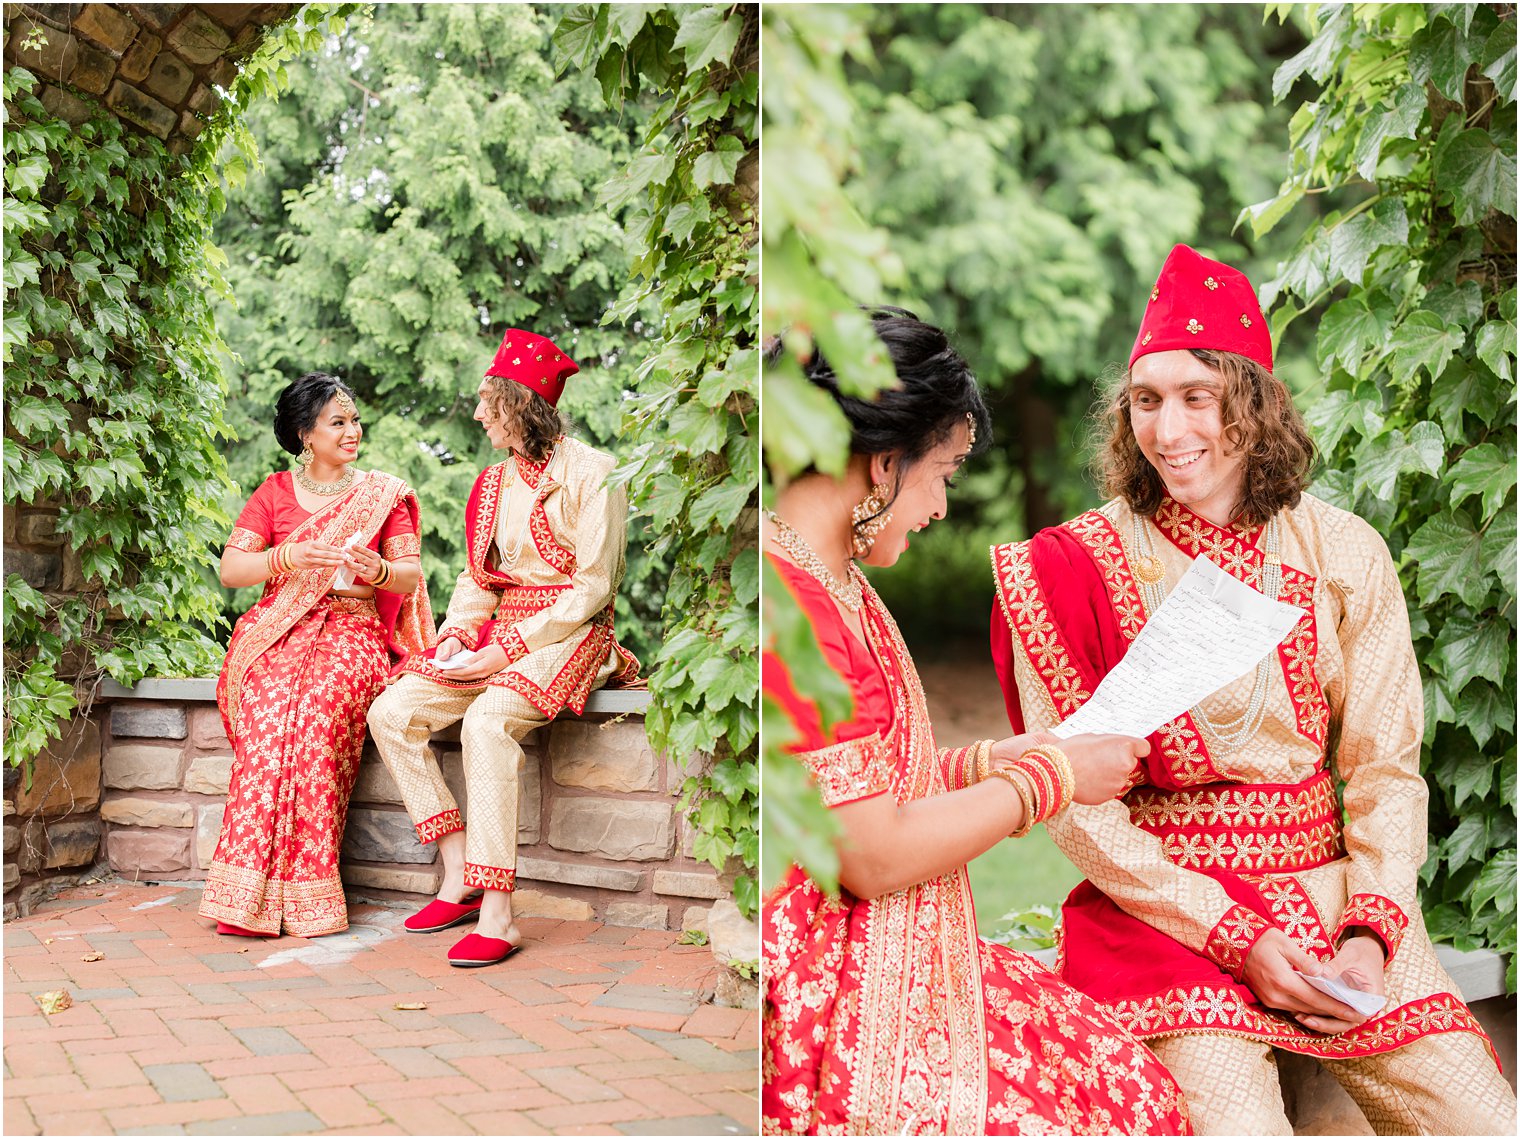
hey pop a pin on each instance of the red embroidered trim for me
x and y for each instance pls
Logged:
(1209, 1009)
(1231, 940)
(484, 533)
(512, 641)
(1294, 912)
(246, 540)
(1182, 745)
(543, 537)
(1379, 914)
(1270, 829)
(490, 877)
(1028, 616)
(447, 822)
(1194, 535)
(573, 683)
(401, 546)
(849, 770)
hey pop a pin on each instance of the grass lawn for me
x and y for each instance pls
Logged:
(1020, 873)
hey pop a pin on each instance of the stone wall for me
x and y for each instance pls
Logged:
(156, 66)
(143, 780)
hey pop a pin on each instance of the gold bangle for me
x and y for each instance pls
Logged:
(383, 578)
(983, 759)
(1024, 798)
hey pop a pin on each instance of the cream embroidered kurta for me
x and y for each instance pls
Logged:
(1260, 844)
(546, 554)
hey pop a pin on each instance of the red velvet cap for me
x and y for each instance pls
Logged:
(1199, 303)
(533, 361)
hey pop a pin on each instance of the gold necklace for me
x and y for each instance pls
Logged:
(848, 592)
(1233, 734)
(325, 489)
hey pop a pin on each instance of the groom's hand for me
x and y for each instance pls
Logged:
(491, 659)
(447, 648)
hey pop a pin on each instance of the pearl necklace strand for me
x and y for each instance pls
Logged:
(1233, 734)
(848, 592)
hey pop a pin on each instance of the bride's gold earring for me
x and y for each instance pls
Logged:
(869, 518)
(306, 457)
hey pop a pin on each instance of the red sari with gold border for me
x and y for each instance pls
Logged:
(301, 670)
(890, 1015)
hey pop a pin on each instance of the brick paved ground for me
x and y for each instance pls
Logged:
(589, 1030)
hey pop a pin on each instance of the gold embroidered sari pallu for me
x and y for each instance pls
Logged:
(1210, 849)
(300, 672)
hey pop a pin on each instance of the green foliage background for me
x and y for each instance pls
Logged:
(427, 182)
(692, 422)
(114, 387)
(1408, 132)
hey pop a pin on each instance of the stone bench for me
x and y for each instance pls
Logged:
(143, 779)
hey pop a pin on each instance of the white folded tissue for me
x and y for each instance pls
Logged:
(1368, 1004)
(344, 578)
(458, 660)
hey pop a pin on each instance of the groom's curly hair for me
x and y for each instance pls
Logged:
(1259, 420)
(539, 422)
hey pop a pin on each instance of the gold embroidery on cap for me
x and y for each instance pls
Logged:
(516, 360)
(1245, 320)
(1210, 284)
(1155, 291)
(1144, 340)
(1194, 327)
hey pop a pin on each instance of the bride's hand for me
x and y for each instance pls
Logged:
(312, 555)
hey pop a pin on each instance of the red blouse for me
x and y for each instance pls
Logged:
(272, 514)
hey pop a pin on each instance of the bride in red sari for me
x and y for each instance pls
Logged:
(885, 1013)
(338, 553)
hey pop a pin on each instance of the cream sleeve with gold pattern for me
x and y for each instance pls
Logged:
(1122, 860)
(469, 609)
(1381, 727)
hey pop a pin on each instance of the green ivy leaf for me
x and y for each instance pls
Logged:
(744, 575)
(1496, 883)
(1466, 649)
(1478, 173)
(1449, 552)
(1460, 389)
(1438, 55)
(1499, 550)
(1468, 842)
(1353, 242)
(1498, 59)
(718, 166)
(708, 34)
(1352, 328)
(1425, 341)
(1379, 462)
(1496, 348)
(1483, 470)
(1474, 775)
(1399, 122)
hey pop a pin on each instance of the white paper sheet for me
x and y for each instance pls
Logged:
(1211, 630)
(344, 578)
(1364, 1002)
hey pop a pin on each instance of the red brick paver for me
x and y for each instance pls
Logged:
(589, 1030)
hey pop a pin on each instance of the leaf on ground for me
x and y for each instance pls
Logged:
(55, 1000)
(93, 957)
(411, 1006)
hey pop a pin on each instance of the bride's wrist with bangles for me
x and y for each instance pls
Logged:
(1043, 778)
(382, 579)
(278, 560)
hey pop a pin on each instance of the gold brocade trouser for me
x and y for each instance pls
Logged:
(495, 719)
(1443, 1084)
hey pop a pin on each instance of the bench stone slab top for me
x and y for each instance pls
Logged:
(602, 702)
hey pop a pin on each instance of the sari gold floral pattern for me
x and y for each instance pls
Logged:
(890, 1016)
(1347, 673)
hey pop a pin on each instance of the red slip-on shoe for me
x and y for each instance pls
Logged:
(439, 914)
(239, 931)
(475, 950)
